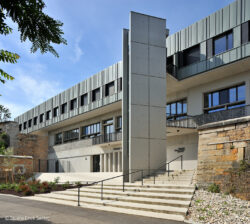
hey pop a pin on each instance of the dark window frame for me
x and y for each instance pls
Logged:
(48, 115)
(108, 87)
(58, 140)
(41, 118)
(64, 108)
(94, 94)
(176, 115)
(73, 104)
(187, 53)
(55, 111)
(29, 123)
(35, 120)
(20, 127)
(83, 103)
(225, 34)
(25, 125)
(94, 130)
(71, 135)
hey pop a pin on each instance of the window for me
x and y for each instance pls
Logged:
(119, 123)
(176, 110)
(48, 115)
(119, 84)
(58, 138)
(64, 108)
(24, 125)
(109, 89)
(245, 32)
(90, 131)
(170, 64)
(20, 127)
(29, 123)
(95, 94)
(223, 43)
(84, 99)
(191, 55)
(71, 135)
(35, 121)
(224, 99)
(73, 104)
(41, 118)
(55, 111)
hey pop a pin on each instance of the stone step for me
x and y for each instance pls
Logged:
(138, 189)
(111, 209)
(125, 198)
(164, 186)
(183, 197)
(119, 204)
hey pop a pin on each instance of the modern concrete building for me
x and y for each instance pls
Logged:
(145, 110)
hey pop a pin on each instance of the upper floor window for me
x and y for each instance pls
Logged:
(35, 120)
(64, 108)
(91, 130)
(55, 111)
(71, 135)
(20, 127)
(84, 99)
(58, 138)
(191, 55)
(73, 104)
(41, 118)
(119, 84)
(170, 64)
(224, 99)
(95, 94)
(177, 109)
(245, 32)
(48, 115)
(119, 123)
(223, 43)
(109, 89)
(24, 125)
(29, 123)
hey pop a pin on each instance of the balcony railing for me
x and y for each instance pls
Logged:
(111, 137)
(198, 120)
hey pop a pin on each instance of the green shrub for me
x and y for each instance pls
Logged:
(214, 188)
(3, 187)
(56, 180)
(66, 184)
(34, 189)
(18, 188)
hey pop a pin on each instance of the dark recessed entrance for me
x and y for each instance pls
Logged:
(96, 163)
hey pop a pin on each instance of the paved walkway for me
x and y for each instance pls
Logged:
(15, 208)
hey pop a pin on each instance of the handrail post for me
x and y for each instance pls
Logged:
(142, 177)
(79, 195)
(102, 191)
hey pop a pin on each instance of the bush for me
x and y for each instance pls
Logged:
(34, 189)
(214, 188)
(56, 180)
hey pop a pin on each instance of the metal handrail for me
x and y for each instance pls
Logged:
(102, 181)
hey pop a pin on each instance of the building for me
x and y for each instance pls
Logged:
(149, 108)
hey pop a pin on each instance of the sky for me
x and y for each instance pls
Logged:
(93, 30)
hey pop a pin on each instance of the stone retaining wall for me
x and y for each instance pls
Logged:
(222, 145)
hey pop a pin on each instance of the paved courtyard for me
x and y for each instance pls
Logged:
(15, 210)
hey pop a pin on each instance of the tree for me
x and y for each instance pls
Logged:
(33, 24)
(4, 114)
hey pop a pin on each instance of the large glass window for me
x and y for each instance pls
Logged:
(109, 89)
(90, 131)
(224, 99)
(71, 135)
(191, 55)
(95, 94)
(223, 43)
(177, 109)
(84, 99)
(119, 123)
(58, 138)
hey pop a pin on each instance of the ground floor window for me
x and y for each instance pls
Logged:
(177, 110)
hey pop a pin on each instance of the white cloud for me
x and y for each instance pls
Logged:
(77, 50)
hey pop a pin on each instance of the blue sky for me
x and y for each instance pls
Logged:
(93, 29)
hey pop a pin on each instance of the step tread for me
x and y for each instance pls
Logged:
(125, 197)
(186, 196)
(116, 203)
(112, 209)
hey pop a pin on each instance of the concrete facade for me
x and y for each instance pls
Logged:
(128, 102)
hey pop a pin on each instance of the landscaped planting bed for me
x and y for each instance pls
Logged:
(28, 188)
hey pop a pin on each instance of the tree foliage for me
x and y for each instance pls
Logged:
(33, 24)
(5, 114)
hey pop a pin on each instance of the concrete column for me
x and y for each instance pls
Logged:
(105, 163)
(101, 163)
(119, 160)
(114, 162)
(111, 162)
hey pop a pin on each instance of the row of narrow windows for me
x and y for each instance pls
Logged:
(108, 90)
(227, 98)
(89, 131)
(214, 46)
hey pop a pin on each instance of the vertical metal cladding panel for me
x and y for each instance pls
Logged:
(42, 109)
(172, 44)
(168, 45)
(189, 42)
(245, 10)
(194, 34)
(176, 42)
(245, 50)
(233, 14)
(239, 12)
(120, 69)
(226, 57)
(218, 20)
(203, 49)
(29, 117)
(35, 114)
(212, 25)
(183, 39)
(226, 18)
(237, 36)
(64, 97)
(201, 30)
(83, 89)
(56, 103)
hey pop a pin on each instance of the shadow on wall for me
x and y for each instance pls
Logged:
(10, 220)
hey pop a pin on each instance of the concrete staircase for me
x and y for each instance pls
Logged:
(160, 200)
